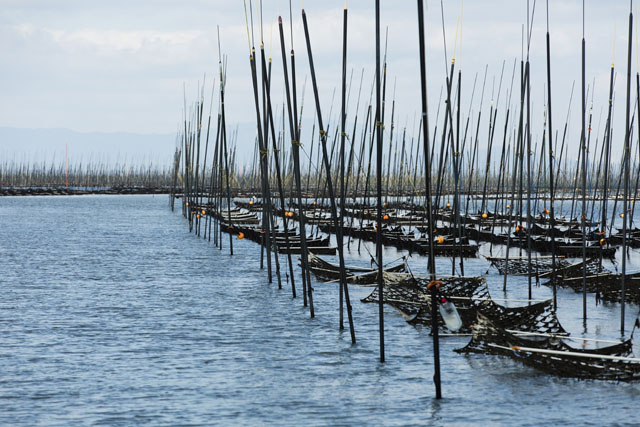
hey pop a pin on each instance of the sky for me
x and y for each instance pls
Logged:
(121, 66)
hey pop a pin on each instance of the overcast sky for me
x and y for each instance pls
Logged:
(120, 65)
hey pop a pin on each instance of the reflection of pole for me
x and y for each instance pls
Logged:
(433, 286)
(66, 165)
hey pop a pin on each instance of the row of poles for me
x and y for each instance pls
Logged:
(198, 193)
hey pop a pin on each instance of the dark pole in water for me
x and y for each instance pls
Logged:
(456, 159)
(325, 157)
(262, 159)
(529, 152)
(378, 131)
(285, 223)
(214, 181)
(270, 231)
(224, 143)
(340, 221)
(626, 177)
(295, 150)
(204, 162)
(198, 112)
(427, 167)
(308, 294)
(551, 211)
(635, 194)
(583, 145)
(296, 161)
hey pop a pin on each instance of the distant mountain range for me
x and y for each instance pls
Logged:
(38, 145)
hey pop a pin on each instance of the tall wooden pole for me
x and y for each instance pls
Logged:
(378, 130)
(427, 166)
(627, 141)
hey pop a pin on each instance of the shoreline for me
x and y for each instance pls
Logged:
(57, 191)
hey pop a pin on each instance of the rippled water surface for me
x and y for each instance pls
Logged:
(113, 313)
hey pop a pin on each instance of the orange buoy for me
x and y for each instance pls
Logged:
(603, 242)
(250, 202)
(508, 206)
(386, 217)
(517, 228)
(436, 283)
(203, 212)
(621, 215)
(448, 205)
(187, 204)
(384, 204)
(241, 235)
(315, 202)
(485, 216)
(440, 239)
(546, 211)
(198, 216)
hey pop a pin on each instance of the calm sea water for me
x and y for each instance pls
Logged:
(112, 313)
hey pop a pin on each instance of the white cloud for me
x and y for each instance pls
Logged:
(120, 66)
(123, 40)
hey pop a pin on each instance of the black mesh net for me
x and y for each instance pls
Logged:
(592, 266)
(606, 285)
(552, 355)
(520, 266)
(471, 296)
(325, 270)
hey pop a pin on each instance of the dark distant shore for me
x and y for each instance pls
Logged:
(64, 191)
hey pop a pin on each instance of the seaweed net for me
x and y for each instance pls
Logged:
(552, 355)
(402, 292)
(592, 266)
(520, 266)
(606, 285)
(471, 296)
(325, 270)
